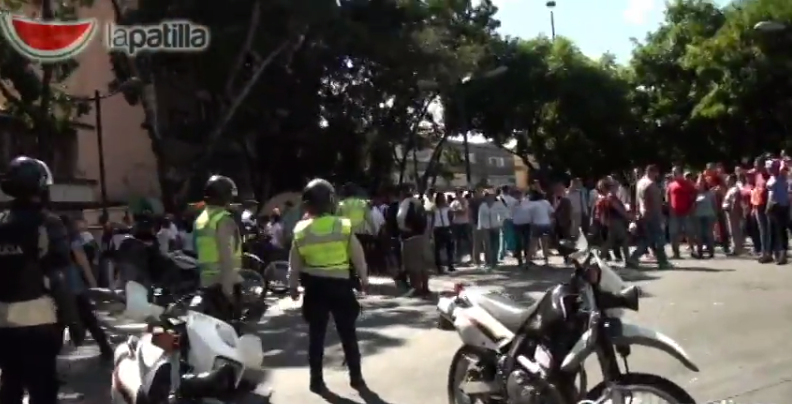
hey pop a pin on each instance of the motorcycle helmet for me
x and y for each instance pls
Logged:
(319, 197)
(220, 190)
(26, 177)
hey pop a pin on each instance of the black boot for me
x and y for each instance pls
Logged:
(356, 377)
(357, 382)
(318, 385)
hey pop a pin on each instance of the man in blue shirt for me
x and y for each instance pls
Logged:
(778, 209)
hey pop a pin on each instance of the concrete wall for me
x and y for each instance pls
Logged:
(129, 161)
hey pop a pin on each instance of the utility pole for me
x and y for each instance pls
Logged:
(44, 131)
(551, 5)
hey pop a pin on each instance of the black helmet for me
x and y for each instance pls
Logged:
(319, 196)
(220, 190)
(26, 177)
(145, 226)
(349, 190)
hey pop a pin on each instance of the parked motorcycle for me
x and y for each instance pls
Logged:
(187, 280)
(516, 354)
(182, 354)
(270, 262)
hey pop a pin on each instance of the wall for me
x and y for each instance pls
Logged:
(129, 161)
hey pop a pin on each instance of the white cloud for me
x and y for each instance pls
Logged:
(638, 10)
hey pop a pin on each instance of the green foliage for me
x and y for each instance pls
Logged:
(703, 86)
(39, 100)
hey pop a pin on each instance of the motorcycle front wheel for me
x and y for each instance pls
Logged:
(467, 366)
(633, 383)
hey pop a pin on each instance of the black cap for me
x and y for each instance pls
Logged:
(220, 190)
(319, 196)
(26, 177)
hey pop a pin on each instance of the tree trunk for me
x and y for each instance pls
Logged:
(430, 168)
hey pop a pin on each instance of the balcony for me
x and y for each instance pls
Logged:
(74, 191)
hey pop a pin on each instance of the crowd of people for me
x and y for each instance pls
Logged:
(714, 207)
(627, 217)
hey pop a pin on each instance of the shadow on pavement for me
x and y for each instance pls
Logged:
(696, 269)
(520, 283)
(285, 335)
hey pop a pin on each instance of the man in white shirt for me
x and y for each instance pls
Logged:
(440, 223)
(541, 218)
(521, 216)
(377, 219)
(579, 198)
(491, 215)
(460, 225)
(507, 231)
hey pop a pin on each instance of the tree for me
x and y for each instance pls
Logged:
(38, 100)
(335, 105)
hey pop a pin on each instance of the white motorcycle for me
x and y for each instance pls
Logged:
(515, 354)
(181, 355)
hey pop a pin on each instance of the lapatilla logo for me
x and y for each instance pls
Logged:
(55, 41)
(168, 36)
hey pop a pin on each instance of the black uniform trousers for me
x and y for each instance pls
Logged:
(323, 297)
(28, 361)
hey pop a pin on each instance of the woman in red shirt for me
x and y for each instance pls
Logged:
(751, 227)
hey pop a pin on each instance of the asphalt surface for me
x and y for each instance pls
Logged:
(733, 316)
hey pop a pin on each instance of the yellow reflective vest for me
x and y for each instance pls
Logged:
(205, 230)
(323, 244)
(353, 209)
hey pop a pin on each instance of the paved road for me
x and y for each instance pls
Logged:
(734, 317)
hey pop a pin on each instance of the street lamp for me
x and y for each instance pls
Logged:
(460, 104)
(551, 5)
(770, 26)
(96, 99)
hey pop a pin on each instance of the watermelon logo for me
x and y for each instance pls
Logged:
(47, 41)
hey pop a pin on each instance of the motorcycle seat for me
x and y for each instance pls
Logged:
(508, 312)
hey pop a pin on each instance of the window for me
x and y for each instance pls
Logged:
(497, 161)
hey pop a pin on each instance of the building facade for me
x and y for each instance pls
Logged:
(129, 162)
(489, 166)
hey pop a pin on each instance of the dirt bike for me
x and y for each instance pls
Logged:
(534, 354)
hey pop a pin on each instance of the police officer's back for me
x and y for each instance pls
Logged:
(139, 257)
(219, 244)
(322, 254)
(34, 250)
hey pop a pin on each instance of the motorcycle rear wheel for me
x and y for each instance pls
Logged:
(644, 382)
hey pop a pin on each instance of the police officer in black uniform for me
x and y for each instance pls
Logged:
(139, 258)
(328, 286)
(34, 298)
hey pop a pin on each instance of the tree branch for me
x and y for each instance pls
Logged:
(255, 16)
(214, 137)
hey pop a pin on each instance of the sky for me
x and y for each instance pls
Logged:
(595, 26)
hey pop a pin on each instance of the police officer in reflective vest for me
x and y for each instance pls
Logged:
(219, 246)
(34, 252)
(322, 254)
(356, 209)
